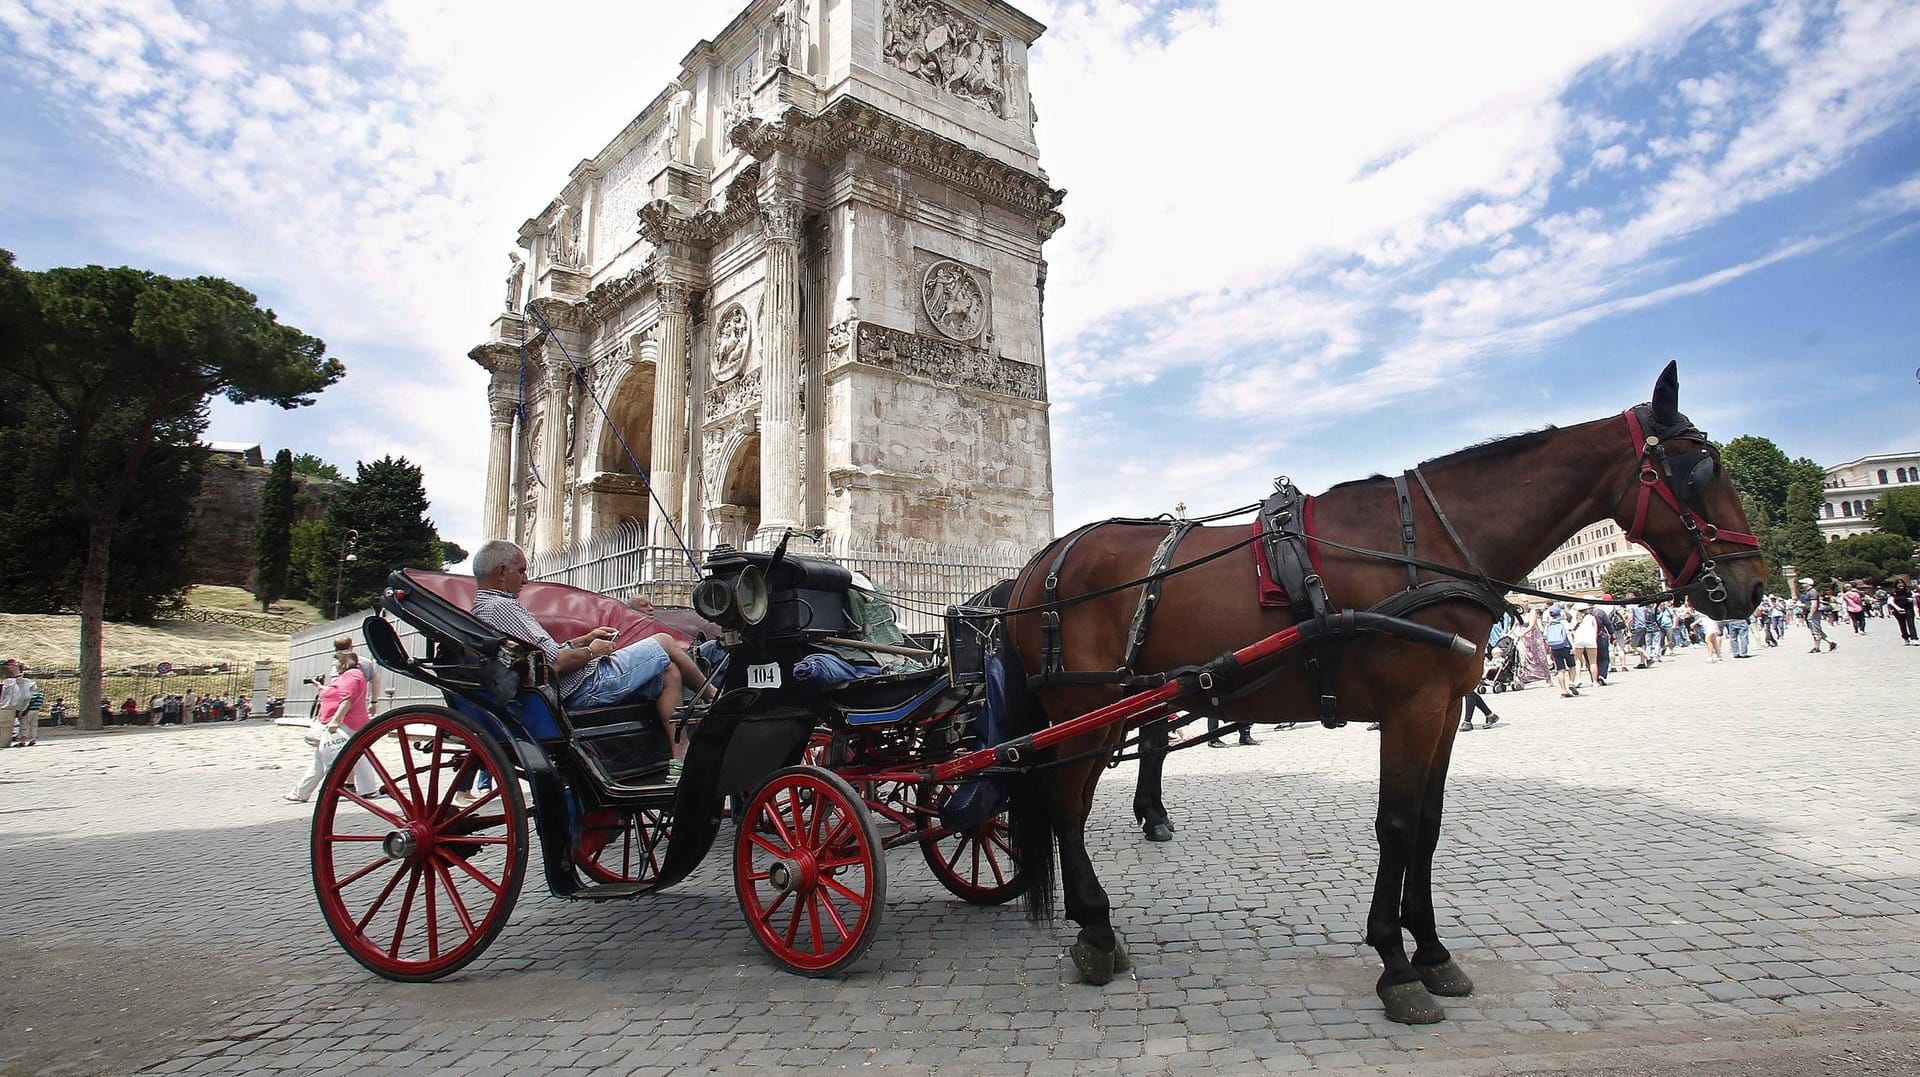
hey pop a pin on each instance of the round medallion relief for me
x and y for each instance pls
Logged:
(732, 343)
(954, 301)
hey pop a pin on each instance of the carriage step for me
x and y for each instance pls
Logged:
(609, 891)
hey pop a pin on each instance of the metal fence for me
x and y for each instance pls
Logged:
(922, 579)
(141, 683)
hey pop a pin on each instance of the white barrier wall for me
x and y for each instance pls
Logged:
(311, 656)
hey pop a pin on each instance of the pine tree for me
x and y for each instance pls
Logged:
(1797, 535)
(273, 533)
(386, 508)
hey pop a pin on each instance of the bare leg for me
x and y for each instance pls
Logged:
(666, 703)
(680, 660)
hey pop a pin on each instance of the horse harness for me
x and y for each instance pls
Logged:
(1284, 544)
(1675, 478)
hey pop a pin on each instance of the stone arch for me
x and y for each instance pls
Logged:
(735, 514)
(619, 495)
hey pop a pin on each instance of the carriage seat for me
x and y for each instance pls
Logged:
(566, 612)
(887, 697)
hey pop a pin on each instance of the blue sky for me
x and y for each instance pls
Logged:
(1320, 240)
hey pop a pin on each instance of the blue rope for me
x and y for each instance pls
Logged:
(580, 374)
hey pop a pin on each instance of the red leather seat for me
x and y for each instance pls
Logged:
(569, 612)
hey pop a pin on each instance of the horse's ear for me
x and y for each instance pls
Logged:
(1666, 394)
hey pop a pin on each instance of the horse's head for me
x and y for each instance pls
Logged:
(1682, 507)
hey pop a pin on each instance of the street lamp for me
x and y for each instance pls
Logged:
(340, 574)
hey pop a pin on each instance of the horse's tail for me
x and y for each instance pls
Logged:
(1029, 816)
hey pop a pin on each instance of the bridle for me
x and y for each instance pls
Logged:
(1675, 479)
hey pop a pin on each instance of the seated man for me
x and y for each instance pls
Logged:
(592, 672)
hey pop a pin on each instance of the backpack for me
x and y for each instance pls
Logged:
(1557, 633)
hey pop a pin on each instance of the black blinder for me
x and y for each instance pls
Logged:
(1691, 473)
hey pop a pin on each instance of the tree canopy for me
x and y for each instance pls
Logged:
(1898, 512)
(315, 468)
(1876, 556)
(125, 362)
(1632, 576)
(385, 508)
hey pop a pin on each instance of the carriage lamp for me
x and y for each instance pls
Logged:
(743, 596)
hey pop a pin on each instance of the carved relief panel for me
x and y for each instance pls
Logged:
(953, 299)
(733, 342)
(934, 43)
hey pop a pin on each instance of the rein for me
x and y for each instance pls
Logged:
(1654, 477)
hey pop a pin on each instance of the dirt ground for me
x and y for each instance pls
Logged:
(52, 641)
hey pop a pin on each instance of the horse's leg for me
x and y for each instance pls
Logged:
(1095, 953)
(1407, 744)
(1431, 960)
(1148, 809)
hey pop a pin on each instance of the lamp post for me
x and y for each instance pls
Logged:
(340, 573)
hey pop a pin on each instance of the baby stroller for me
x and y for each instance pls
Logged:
(1503, 667)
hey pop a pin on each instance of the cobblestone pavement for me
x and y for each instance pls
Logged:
(1699, 852)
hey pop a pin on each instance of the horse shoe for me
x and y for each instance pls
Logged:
(1410, 1004)
(1095, 966)
(1158, 830)
(1447, 979)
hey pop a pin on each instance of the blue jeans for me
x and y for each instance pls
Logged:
(632, 672)
(1736, 632)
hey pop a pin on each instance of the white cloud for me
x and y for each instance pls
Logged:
(1299, 201)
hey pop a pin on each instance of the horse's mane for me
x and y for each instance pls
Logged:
(1505, 442)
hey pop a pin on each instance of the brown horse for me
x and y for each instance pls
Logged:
(1510, 502)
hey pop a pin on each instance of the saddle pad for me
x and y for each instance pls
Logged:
(1266, 588)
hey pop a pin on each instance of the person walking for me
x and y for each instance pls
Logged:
(1475, 703)
(1814, 609)
(1856, 606)
(1712, 629)
(343, 711)
(1735, 629)
(1901, 602)
(1586, 642)
(1560, 650)
(16, 697)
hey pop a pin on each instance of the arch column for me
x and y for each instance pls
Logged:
(667, 457)
(500, 405)
(551, 531)
(782, 467)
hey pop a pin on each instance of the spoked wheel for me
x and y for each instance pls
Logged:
(620, 845)
(809, 870)
(413, 883)
(976, 864)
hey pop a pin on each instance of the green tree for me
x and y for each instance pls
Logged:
(309, 564)
(1758, 467)
(385, 507)
(1632, 576)
(273, 532)
(315, 468)
(130, 358)
(1797, 537)
(1898, 512)
(1876, 556)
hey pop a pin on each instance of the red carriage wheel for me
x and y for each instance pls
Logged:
(620, 845)
(819, 742)
(809, 870)
(413, 882)
(976, 864)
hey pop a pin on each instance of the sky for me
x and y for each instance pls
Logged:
(1319, 240)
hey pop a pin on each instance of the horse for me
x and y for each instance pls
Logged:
(1491, 512)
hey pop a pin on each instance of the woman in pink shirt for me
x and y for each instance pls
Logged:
(343, 711)
(1856, 610)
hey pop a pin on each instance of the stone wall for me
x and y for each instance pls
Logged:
(221, 551)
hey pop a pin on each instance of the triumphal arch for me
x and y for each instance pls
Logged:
(804, 284)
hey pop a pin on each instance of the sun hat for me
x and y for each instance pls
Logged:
(1806, 579)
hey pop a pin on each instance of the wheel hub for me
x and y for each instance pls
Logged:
(796, 872)
(401, 844)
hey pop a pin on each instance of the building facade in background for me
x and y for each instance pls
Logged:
(1854, 487)
(802, 288)
(1577, 565)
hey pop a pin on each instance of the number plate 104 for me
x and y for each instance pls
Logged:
(764, 676)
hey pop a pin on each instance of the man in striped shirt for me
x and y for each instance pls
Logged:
(592, 672)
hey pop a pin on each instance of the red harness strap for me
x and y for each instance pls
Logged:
(1653, 483)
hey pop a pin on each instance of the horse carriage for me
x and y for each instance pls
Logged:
(987, 759)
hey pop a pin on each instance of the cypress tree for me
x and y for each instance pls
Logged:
(273, 533)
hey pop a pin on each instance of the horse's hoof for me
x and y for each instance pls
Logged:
(1159, 831)
(1410, 1004)
(1121, 962)
(1095, 967)
(1446, 979)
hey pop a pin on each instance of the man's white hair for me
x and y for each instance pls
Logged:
(493, 555)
